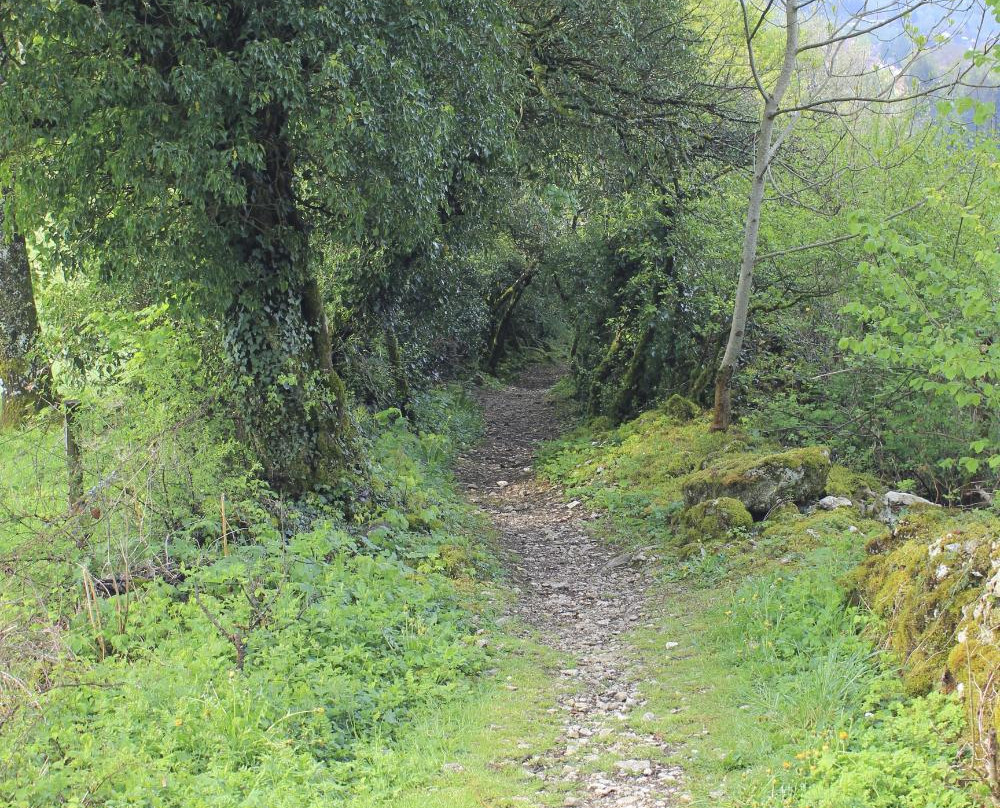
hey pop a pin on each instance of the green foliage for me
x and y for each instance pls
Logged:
(283, 655)
(160, 466)
(465, 756)
(937, 327)
(888, 359)
(904, 756)
(642, 300)
(263, 234)
(788, 705)
(789, 623)
(204, 156)
(377, 136)
(626, 468)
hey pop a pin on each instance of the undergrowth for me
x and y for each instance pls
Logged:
(262, 671)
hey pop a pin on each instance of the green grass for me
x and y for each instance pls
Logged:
(468, 753)
(757, 668)
(760, 672)
(773, 699)
(341, 659)
(376, 673)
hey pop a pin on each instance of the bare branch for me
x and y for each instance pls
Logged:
(859, 32)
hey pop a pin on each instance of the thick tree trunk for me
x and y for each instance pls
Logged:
(25, 381)
(762, 160)
(290, 400)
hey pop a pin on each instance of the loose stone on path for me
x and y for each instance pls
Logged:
(583, 597)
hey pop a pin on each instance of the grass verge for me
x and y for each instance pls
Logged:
(758, 668)
(467, 753)
(309, 658)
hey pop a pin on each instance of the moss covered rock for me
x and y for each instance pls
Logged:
(712, 520)
(727, 450)
(844, 482)
(933, 583)
(762, 482)
(785, 512)
(680, 409)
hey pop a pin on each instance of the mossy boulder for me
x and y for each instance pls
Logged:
(802, 533)
(864, 490)
(762, 482)
(785, 512)
(853, 485)
(724, 452)
(680, 409)
(931, 581)
(713, 519)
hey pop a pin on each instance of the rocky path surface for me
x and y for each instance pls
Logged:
(582, 595)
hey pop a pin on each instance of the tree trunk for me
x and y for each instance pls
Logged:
(602, 373)
(314, 313)
(74, 464)
(398, 370)
(25, 380)
(289, 399)
(625, 403)
(762, 159)
(503, 316)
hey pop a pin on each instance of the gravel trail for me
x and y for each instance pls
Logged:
(581, 594)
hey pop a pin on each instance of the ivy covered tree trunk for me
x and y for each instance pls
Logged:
(277, 338)
(502, 317)
(398, 369)
(602, 373)
(24, 379)
(626, 399)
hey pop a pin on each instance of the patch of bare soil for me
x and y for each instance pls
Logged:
(581, 594)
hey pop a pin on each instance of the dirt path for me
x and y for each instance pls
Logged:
(582, 595)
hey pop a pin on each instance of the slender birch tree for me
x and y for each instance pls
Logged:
(836, 86)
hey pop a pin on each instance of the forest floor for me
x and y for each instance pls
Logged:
(582, 597)
(630, 674)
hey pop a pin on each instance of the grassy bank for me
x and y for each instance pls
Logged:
(775, 688)
(303, 659)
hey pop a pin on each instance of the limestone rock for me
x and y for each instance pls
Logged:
(761, 482)
(900, 499)
(714, 518)
(635, 766)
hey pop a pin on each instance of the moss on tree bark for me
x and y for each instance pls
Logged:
(25, 378)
